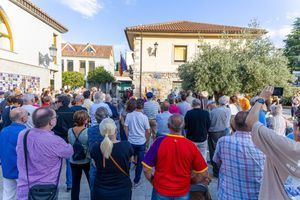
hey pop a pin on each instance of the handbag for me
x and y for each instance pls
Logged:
(39, 191)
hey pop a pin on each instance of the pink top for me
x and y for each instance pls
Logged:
(174, 109)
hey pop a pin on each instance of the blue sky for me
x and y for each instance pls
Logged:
(103, 21)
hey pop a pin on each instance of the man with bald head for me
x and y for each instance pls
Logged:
(8, 155)
(162, 120)
(45, 152)
(177, 161)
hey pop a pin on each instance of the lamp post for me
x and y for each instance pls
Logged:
(141, 63)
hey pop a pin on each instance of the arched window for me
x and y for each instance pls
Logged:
(6, 39)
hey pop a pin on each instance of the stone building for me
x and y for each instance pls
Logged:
(159, 49)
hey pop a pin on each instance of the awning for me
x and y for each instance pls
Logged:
(123, 78)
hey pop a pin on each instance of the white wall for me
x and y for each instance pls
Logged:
(164, 60)
(30, 36)
(107, 63)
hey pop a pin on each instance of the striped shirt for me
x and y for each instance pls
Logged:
(151, 109)
(241, 168)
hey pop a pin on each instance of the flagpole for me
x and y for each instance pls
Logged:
(141, 62)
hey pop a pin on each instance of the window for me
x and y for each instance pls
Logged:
(82, 67)
(62, 65)
(6, 39)
(180, 53)
(70, 65)
(90, 50)
(91, 65)
(55, 45)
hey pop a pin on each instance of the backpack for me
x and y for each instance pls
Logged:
(79, 152)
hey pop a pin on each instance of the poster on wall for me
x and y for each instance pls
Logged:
(10, 81)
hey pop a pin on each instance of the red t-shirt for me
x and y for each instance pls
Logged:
(173, 157)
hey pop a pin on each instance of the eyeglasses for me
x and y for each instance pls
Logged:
(57, 101)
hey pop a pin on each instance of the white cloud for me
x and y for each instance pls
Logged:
(278, 35)
(292, 15)
(88, 8)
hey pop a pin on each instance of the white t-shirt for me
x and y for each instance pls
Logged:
(137, 124)
(30, 109)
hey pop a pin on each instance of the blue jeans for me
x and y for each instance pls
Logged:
(156, 196)
(139, 151)
(93, 172)
(68, 174)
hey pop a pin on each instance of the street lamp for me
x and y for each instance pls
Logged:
(53, 51)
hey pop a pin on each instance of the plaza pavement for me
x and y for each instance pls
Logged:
(142, 192)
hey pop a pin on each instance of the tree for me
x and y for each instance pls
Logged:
(245, 65)
(100, 76)
(292, 46)
(72, 79)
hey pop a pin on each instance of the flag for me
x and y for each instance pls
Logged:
(122, 66)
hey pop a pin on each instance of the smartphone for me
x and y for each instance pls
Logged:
(278, 91)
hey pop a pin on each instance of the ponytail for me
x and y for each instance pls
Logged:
(107, 128)
(106, 146)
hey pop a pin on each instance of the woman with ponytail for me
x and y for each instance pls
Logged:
(111, 158)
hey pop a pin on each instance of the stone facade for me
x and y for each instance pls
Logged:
(160, 83)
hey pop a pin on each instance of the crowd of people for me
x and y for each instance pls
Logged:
(247, 141)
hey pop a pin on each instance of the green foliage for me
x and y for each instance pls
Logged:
(100, 76)
(72, 79)
(292, 46)
(245, 65)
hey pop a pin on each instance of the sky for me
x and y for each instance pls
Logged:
(103, 21)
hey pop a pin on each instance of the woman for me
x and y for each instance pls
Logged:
(173, 107)
(234, 105)
(277, 122)
(80, 161)
(111, 158)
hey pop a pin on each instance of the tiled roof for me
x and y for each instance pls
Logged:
(191, 27)
(40, 14)
(101, 51)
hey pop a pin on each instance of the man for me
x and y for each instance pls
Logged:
(241, 163)
(162, 120)
(78, 103)
(190, 97)
(197, 123)
(8, 155)
(87, 103)
(28, 101)
(45, 152)
(13, 102)
(94, 136)
(137, 129)
(282, 169)
(151, 110)
(98, 102)
(183, 105)
(108, 101)
(174, 158)
(64, 123)
(220, 123)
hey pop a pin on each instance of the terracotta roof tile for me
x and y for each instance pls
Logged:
(191, 27)
(101, 51)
